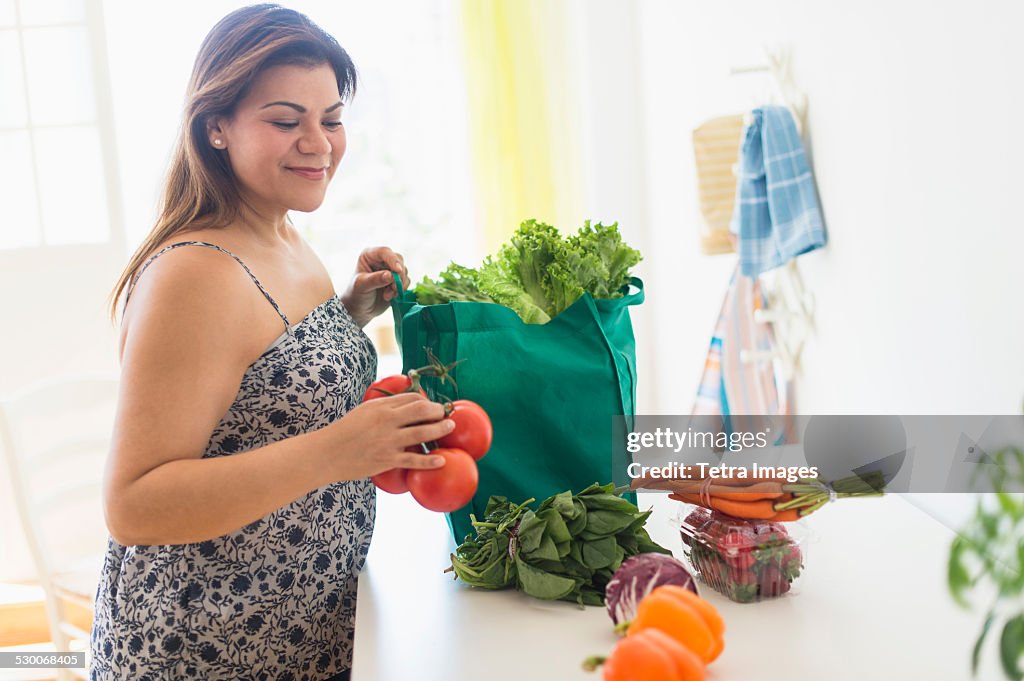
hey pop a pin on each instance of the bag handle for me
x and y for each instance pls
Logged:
(399, 294)
(633, 298)
(407, 341)
(398, 287)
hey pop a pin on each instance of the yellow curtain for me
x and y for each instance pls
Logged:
(526, 161)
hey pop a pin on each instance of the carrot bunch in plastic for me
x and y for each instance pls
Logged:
(765, 498)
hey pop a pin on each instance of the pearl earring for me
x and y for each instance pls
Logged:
(217, 142)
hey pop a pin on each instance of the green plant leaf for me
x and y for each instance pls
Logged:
(602, 523)
(495, 504)
(1018, 584)
(578, 522)
(592, 597)
(1011, 647)
(958, 578)
(976, 655)
(556, 527)
(608, 502)
(545, 551)
(639, 520)
(989, 523)
(541, 584)
(1009, 505)
(531, 531)
(575, 568)
(601, 553)
(628, 543)
(560, 502)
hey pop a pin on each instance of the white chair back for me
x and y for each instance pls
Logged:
(55, 436)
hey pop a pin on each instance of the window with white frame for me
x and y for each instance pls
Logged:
(55, 128)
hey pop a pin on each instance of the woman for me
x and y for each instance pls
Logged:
(237, 497)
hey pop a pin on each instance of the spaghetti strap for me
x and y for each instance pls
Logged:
(131, 286)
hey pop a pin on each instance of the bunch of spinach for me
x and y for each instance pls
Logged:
(990, 548)
(566, 549)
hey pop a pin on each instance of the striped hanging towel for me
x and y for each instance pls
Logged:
(730, 387)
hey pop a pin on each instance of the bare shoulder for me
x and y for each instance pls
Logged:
(186, 342)
(190, 291)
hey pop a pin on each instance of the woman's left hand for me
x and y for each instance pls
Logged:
(372, 288)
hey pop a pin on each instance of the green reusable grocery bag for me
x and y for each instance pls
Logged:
(551, 389)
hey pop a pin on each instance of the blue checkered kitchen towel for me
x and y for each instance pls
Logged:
(777, 216)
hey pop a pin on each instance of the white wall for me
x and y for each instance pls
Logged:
(917, 155)
(54, 325)
(613, 160)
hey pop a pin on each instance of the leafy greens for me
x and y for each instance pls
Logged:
(568, 549)
(538, 274)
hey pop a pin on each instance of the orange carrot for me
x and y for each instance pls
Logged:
(761, 510)
(674, 483)
(753, 492)
(739, 482)
(784, 516)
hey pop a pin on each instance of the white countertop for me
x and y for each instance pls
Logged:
(873, 605)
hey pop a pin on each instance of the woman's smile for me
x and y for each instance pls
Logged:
(310, 173)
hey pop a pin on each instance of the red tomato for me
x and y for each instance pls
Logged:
(393, 481)
(473, 431)
(392, 385)
(447, 488)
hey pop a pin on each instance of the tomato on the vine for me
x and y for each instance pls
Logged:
(447, 488)
(392, 385)
(473, 431)
(393, 481)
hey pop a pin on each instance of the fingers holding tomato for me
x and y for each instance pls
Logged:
(417, 411)
(394, 480)
(462, 431)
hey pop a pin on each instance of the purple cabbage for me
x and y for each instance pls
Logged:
(638, 576)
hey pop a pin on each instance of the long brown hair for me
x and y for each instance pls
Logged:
(200, 190)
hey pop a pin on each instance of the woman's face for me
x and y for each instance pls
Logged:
(286, 138)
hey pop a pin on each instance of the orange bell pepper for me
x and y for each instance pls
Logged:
(649, 655)
(684, 616)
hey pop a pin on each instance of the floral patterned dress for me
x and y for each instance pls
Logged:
(275, 599)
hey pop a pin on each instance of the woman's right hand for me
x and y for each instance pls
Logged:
(372, 437)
